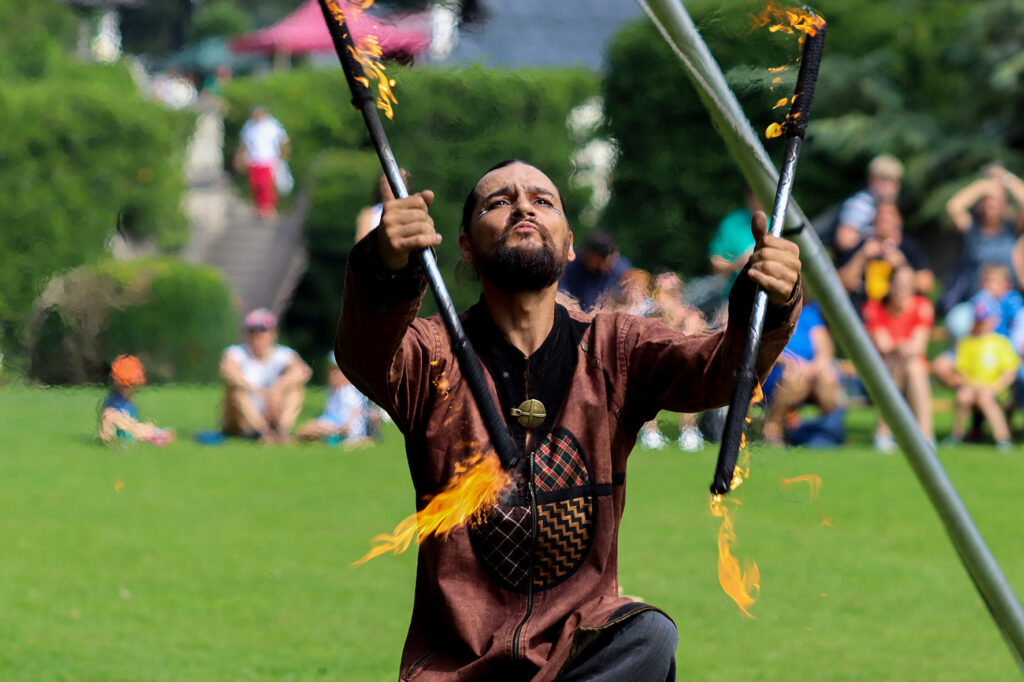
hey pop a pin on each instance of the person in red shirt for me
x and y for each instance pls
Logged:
(899, 326)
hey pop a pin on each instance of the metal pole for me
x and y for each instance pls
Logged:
(675, 25)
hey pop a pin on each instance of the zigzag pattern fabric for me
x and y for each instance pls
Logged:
(563, 538)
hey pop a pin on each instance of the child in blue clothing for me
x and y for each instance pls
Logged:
(119, 417)
(346, 415)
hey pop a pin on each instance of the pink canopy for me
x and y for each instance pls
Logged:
(304, 31)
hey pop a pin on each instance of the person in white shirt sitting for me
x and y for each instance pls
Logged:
(264, 382)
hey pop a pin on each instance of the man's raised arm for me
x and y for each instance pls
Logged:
(377, 345)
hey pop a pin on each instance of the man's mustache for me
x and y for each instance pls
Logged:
(545, 235)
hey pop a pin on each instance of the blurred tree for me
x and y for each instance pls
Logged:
(219, 18)
(88, 151)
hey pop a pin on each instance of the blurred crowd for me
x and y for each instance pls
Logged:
(974, 330)
(969, 339)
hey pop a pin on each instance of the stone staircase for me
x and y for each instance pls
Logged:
(262, 260)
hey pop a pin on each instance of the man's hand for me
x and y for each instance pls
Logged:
(775, 262)
(406, 226)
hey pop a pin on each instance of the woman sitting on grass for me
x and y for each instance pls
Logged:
(899, 326)
(119, 418)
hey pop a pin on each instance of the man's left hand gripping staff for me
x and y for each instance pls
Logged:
(775, 262)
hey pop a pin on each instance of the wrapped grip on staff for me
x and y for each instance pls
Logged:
(807, 78)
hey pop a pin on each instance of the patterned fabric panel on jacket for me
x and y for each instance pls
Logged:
(514, 545)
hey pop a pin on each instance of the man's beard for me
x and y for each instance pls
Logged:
(526, 268)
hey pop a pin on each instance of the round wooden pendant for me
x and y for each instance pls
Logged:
(530, 414)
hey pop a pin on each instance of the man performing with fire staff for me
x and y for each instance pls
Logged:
(531, 593)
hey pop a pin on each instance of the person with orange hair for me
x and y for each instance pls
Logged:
(119, 418)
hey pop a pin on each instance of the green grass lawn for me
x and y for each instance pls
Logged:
(232, 563)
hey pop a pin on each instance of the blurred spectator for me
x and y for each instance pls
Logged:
(733, 242)
(634, 295)
(997, 289)
(857, 214)
(264, 382)
(369, 217)
(262, 153)
(986, 366)
(669, 304)
(979, 212)
(805, 372)
(119, 418)
(346, 414)
(865, 271)
(899, 326)
(593, 277)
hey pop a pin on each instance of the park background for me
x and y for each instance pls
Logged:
(233, 563)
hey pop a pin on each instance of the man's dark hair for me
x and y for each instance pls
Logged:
(600, 243)
(467, 207)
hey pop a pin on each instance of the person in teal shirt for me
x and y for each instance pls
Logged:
(732, 243)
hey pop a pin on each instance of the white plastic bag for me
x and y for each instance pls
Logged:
(283, 178)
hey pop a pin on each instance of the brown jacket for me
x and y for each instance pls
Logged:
(518, 596)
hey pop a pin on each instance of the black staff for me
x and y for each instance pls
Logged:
(746, 376)
(364, 100)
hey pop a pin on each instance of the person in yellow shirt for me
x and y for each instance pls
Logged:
(986, 364)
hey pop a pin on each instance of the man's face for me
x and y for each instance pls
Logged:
(518, 238)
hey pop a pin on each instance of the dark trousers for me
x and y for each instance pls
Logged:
(642, 649)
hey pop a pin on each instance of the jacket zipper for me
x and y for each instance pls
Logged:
(419, 664)
(533, 547)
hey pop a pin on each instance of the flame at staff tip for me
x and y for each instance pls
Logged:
(368, 52)
(473, 489)
(742, 586)
(781, 19)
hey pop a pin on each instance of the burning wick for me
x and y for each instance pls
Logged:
(473, 490)
(368, 53)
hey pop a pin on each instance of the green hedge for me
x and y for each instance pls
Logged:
(449, 126)
(176, 317)
(82, 147)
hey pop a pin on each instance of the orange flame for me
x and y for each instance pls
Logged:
(790, 20)
(368, 53)
(474, 488)
(742, 586)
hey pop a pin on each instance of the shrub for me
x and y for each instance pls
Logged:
(176, 317)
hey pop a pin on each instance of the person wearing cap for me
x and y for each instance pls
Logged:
(119, 417)
(264, 382)
(986, 366)
(346, 414)
(857, 214)
(595, 275)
